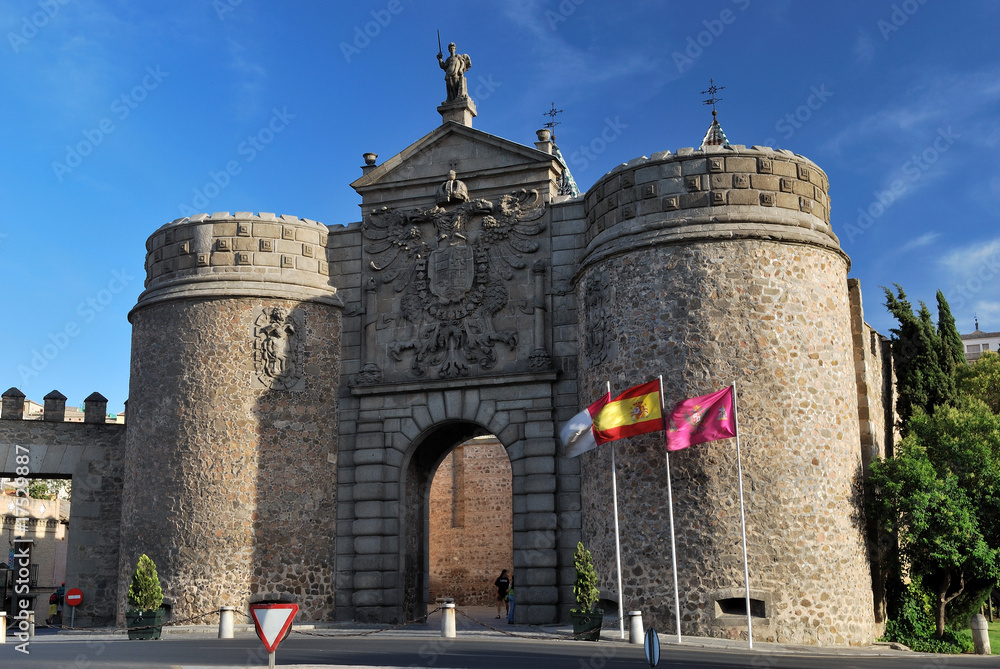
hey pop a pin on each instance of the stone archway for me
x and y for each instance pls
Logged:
(470, 524)
(424, 459)
(398, 439)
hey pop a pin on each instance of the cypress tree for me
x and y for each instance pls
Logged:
(916, 352)
(952, 349)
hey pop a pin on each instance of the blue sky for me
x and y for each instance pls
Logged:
(120, 116)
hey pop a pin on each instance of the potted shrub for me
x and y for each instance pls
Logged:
(145, 598)
(586, 619)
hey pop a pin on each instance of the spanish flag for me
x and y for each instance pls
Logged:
(635, 411)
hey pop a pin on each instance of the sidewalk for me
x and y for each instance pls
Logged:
(481, 622)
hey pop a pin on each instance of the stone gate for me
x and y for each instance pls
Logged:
(294, 386)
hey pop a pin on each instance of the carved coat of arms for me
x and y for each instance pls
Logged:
(451, 265)
(278, 349)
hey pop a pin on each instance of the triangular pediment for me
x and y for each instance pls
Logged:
(486, 163)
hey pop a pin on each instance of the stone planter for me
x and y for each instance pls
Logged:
(587, 624)
(150, 621)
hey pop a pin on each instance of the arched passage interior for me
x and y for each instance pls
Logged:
(470, 530)
(426, 458)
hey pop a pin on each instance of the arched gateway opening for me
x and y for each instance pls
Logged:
(439, 451)
(470, 523)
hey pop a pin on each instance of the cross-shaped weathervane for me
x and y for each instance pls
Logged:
(551, 125)
(712, 90)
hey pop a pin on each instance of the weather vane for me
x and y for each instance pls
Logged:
(551, 125)
(712, 90)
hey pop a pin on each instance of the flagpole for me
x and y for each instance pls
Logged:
(670, 508)
(743, 520)
(618, 545)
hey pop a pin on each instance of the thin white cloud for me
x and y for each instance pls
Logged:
(251, 83)
(923, 240)
(949, 98)
(968, 261)
(547, 24)
(988, 314)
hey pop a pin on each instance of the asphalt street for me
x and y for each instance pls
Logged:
(197, 651)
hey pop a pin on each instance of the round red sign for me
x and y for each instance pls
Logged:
(74, 596)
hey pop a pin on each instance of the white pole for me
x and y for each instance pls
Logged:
(670, 508)
(618, 545)
(743, 519)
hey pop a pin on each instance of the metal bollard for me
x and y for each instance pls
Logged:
(635, 632)
(448, 621)
(3, 627)
(226, 622)
(31, 624)
(980, 634)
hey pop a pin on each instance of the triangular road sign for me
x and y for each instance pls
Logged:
(273, 620)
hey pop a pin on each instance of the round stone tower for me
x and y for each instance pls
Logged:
(711, 266)
(231, 454)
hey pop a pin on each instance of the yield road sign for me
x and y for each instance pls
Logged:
(74, 596)
(273, 620)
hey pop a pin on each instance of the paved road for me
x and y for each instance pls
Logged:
(202, 651)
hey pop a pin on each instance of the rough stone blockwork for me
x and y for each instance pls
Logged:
(470, 523)
(232, 445)
(706, 295)
(92, 454)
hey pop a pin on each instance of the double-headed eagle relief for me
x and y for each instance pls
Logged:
(451, 265)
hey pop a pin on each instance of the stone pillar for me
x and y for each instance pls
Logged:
(980, 634)
(448, 620)
(55, 407)
(636, 634)
(13, 405)
(95, 409)
(544, 143)
(461, 111)
(232, 442)
(226, 630)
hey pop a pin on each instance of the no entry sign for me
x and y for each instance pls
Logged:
(74, 596)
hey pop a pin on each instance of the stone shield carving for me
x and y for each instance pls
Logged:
(597, 318)
(278, 349)
(451, 266)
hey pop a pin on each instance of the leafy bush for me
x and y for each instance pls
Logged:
(144, 592)
(585, 587)
(914, 626)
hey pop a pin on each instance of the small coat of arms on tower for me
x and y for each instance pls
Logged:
(278, 350)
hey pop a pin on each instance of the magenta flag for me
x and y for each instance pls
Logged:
(701, 419)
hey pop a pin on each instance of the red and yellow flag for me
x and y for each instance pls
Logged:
(635, 411)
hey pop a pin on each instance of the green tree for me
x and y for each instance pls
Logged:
(940, 496)
(981, 380)
(917, 352)
(49, 488)
(144, 591)
(585, 586)
(952, 348)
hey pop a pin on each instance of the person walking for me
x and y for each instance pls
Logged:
(510, 601)
(502, 585)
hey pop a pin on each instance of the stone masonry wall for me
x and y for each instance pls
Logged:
(230, 488)
(93, 455)
(775, 322)
(876, 382)
(709, 267)
(470, 523)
